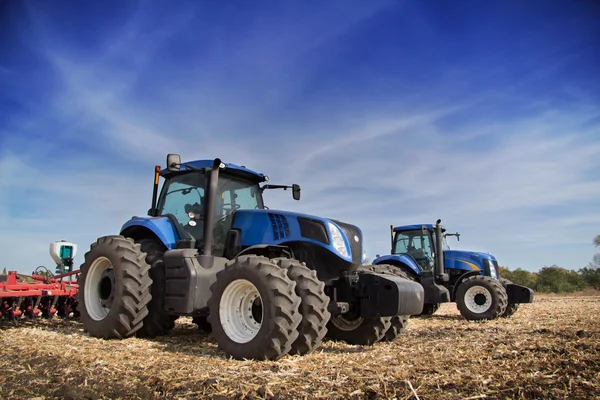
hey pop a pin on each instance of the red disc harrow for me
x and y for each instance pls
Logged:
(33, 296)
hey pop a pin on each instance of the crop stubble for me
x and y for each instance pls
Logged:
(549, 349)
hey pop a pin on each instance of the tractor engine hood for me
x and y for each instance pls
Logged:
(471, 260)
(280, 227)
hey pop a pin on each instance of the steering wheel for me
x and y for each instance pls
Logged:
(232, 206)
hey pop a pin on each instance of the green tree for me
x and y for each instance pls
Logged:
(519, 276)
(597, 241)
(555, 279)
(4, 271)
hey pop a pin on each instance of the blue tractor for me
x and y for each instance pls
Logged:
(469, 279)
(266, 282)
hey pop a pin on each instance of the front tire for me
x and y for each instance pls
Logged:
(114, 288)
(357, 330)
(254, 310)
(398, 323)
(480, 297)
(511, 308)
(429, 309)
(313, 306)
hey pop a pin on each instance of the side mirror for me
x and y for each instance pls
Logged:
(296, 191)
(173, 162)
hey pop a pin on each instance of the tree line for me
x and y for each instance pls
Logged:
(555, 279)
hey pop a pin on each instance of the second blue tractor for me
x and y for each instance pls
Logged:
(468, 278)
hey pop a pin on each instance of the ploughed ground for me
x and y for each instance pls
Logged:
(548, 349)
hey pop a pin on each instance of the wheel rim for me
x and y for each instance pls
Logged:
(345, 324)
(99, 288)
(240, 311)
(478, 299)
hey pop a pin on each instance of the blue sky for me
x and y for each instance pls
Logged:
(483, 114)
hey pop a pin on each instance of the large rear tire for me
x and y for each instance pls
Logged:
(114, 288)
(511, 308)
(480, 297)
(158, 322)
(203, 324)
(313, 306)
(254, 309)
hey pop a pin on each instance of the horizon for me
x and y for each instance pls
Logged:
(385, 113)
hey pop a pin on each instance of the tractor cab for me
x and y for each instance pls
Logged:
(417, 242)
(183, 199)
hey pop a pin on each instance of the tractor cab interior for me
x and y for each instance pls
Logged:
(416, 245)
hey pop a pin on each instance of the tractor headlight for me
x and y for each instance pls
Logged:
(493, 272)
(338, 240)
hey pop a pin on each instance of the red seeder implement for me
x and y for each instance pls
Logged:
(31, 296)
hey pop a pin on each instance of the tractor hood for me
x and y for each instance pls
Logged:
(468, 255)
(471, 260)
(280, 227)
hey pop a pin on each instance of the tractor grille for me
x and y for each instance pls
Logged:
(281, 228)
(356, 247)
(488, 267)
(313, 229)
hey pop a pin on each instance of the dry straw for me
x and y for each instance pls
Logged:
(549, 349)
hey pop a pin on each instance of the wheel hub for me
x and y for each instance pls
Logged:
(240, 311)
(346, 322)
(106, 288)
(99, 288)
(478, 299)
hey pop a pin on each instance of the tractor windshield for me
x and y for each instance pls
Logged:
(416, 245)
(181, 195)
(234, 193)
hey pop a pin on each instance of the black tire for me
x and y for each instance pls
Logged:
(355, 330)
(429, 309)
(158, 322)
(398, 323)
(203, 324)
(485, 289)
(511, 308)
(358, 331)
(280, 315)
(124, 285)
(313, 306)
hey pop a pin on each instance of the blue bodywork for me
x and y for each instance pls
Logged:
(278, 227)
(399, 259)
(159, 226)
(272, 227)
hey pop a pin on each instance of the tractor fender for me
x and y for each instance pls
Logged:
(460, 280)
(400, 260)
(160, 228)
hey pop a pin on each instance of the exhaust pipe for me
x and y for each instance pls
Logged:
(209, 215)
(439, 250)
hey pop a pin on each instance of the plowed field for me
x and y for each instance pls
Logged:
(548, 349)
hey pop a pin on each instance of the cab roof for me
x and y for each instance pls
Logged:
(414, 227)
(201, 164)
(411, 227)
